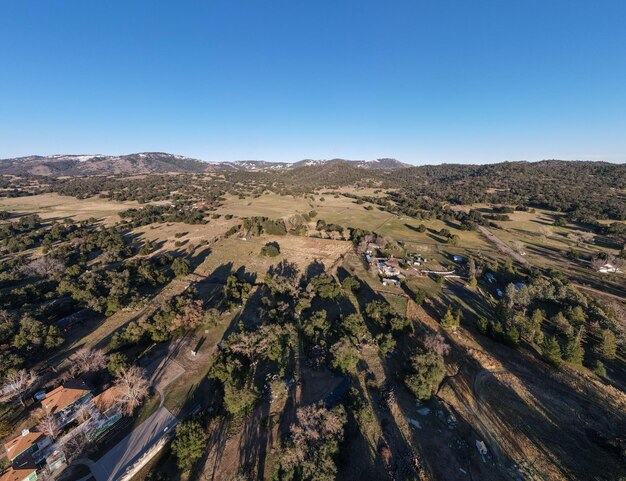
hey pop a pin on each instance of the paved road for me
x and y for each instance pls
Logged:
(124, 454)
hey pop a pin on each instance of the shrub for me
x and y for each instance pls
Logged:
(271, 249)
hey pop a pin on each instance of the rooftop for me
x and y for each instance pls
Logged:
(17, 474)
(22, 442)
(65, 395)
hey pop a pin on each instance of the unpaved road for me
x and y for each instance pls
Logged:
(501, 245)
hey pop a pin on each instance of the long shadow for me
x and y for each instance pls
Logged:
(566, 424)
(364, 464)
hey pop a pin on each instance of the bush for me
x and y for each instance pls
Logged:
(271, 249)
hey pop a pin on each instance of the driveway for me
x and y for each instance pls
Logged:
(124, 454)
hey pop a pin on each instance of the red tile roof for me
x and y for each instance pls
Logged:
(21, 443)
(63, 396)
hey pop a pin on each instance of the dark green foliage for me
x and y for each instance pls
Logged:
(574, 351)
(426, 373)
(180, 267)
(325, 286)
(345, 355)
(551, 351)
(34, 334)
(189, 444)
(117, 362)
(351, 283)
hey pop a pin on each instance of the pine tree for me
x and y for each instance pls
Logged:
(551, 351)
(448, 321)
(608, 344)
(574, 351)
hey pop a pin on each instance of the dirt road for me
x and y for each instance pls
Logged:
(501, 245)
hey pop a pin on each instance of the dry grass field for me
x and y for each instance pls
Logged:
(233, 254)
(54, 206)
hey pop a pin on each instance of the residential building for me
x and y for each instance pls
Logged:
(65, 401)
(26, 472)
(28, 443)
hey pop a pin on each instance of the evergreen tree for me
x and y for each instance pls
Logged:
(551, 351)
(574, 351)
(189, 444)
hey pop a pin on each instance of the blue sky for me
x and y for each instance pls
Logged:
(423, 81)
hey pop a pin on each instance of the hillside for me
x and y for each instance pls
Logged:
(160, 162)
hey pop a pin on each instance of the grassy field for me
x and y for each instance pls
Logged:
(233, 254)
(54, 206)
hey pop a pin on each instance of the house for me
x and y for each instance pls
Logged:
(64, 402)
(28, 443)
(490, 277)
(457, 258)
(386, 270)
(391, 282)
(27, 473)
(107, 406)
(608, 268)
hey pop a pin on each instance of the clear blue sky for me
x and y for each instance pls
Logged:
(423, 81)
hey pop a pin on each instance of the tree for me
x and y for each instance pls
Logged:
(271, 249)
(551, 351)
(351, 283)
(50, 426)
(354, 326)
(316, 326)
(608, 344)
(345, 355)
(34, 333)
(482, 325)
(180, 267)
(454, 240)
(449, 320)
(574, 351)
(87, 360)
(512, 336)
(238, 400)
(117, 363)
(132, 387)
(191, 316)
(16, 383)
(43, 267)
(325, 287)
(189, 444)
(386, 343)
(436, 342)
(427, 372)
(314, 441)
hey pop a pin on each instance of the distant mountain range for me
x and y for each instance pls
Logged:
(159, 162)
